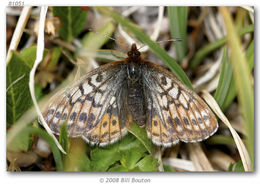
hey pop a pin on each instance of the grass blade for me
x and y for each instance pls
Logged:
(178, 17)
(203, 52)
(232, 91)
(224, 80)
(242, 78)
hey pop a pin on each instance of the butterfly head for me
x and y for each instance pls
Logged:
(134, 55)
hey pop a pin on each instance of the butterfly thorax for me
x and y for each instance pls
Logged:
(136, 101)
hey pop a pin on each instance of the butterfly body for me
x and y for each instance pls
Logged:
(101, 106)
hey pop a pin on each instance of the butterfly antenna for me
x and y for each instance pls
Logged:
(174, 40)
(109, 37)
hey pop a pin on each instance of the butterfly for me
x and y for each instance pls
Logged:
(101, 106)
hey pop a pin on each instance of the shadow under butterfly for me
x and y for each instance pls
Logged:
(101, 105)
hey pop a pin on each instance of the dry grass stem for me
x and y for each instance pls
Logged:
(239, 143)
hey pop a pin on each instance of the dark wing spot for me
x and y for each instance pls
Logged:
(51, 111)
(114, 122)
(64, 116)
(155, 123)
(199, 120)
(205, 117)
(57, 114)
(81, 88)
(114, 132)
(73, 116)
(163, 80)
(99, 78)
(91, 118)
(177, 121)
(155, 134)
(104, 124)
(104, 135)
(194, 122)
(93, 138)
(165, 135)
(83, 116)
(186, 121)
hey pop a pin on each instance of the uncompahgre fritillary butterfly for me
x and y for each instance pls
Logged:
(101, 105)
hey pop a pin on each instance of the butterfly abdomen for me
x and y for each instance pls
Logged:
(136, 102)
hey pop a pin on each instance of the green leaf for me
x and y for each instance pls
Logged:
(29, 55)
(220, 140)
(148, 164)
(131, 157)
(118, 168)
(141, 135)
(143, 37)
(18, 98)
(178, 17)
(72, 19)
(122, 151)
(103, 158)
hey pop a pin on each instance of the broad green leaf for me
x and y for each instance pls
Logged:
(143, 37)
(18, 98)
(220, 140)
(29, 55)
(178, 17)
(73, 20)
(148, 164)
(118, 168)
(129, 158)
(141, 135)
(103, 158)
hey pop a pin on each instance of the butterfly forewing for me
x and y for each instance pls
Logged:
(175, 112)
(91, 106)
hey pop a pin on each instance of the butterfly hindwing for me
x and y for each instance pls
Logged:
(113, 125)
(179, 113)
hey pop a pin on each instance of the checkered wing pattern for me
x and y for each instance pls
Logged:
(92, 106)
(175, 113)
